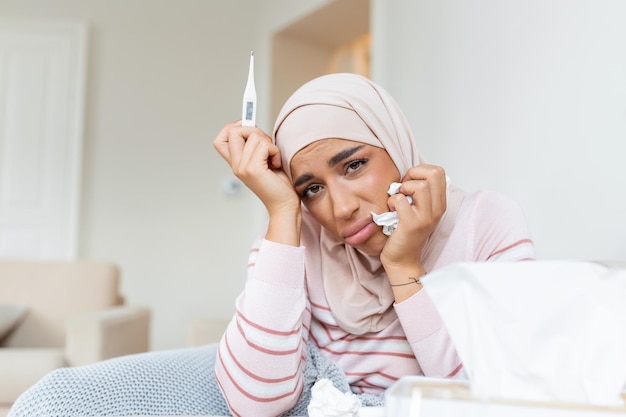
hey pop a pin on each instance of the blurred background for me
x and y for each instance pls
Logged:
(527, 97)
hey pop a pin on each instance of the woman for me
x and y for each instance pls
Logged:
(324, 272)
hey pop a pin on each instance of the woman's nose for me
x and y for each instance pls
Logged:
(344, 201)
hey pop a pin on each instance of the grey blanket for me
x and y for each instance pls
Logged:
(174, 382)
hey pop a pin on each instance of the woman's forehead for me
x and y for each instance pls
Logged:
(325, 153)
(322, 148)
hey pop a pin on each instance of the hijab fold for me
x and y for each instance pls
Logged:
(349, 106)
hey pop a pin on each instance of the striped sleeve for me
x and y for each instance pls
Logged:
(496, 230)
(261, 356)
(428, 337)
(500, 230)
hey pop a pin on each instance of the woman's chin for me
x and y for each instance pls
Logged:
(374, 246)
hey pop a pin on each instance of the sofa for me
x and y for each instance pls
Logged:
(62, 313)
(206, 331)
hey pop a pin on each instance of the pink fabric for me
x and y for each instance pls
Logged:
(288, 300)
(348, 106)
(261, 357)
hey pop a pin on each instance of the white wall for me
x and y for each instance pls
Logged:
(162, 80)
(523, 96)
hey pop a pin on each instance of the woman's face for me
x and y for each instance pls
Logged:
(341, 182)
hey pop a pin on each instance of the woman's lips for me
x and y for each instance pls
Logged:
(359, 232)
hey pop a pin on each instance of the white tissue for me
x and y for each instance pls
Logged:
(389, 219)
(394, 188)
(537, 331)
(328, 401)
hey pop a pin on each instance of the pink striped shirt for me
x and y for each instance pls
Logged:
(262, 354)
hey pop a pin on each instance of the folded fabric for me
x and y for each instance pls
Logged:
(540, 331)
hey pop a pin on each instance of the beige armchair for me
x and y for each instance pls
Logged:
(205, 331)
(57, 313)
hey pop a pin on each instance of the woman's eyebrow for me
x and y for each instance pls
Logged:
(302, 179)
(346, 153)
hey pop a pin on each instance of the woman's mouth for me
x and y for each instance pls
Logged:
(359, 232)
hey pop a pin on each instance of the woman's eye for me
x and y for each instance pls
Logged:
(355, 165)
(310, 191)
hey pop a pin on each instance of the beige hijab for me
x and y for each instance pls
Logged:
(349, 106)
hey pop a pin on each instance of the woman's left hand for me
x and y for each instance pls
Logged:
(426, 185)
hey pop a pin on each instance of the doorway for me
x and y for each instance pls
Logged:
(333, 38)
(42, 76)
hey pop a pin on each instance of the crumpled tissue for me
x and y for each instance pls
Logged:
(540, 331)
(328, 401)
(389, 219)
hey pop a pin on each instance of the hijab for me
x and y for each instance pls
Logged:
(349, 106)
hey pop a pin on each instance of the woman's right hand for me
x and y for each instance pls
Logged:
(256, 161)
